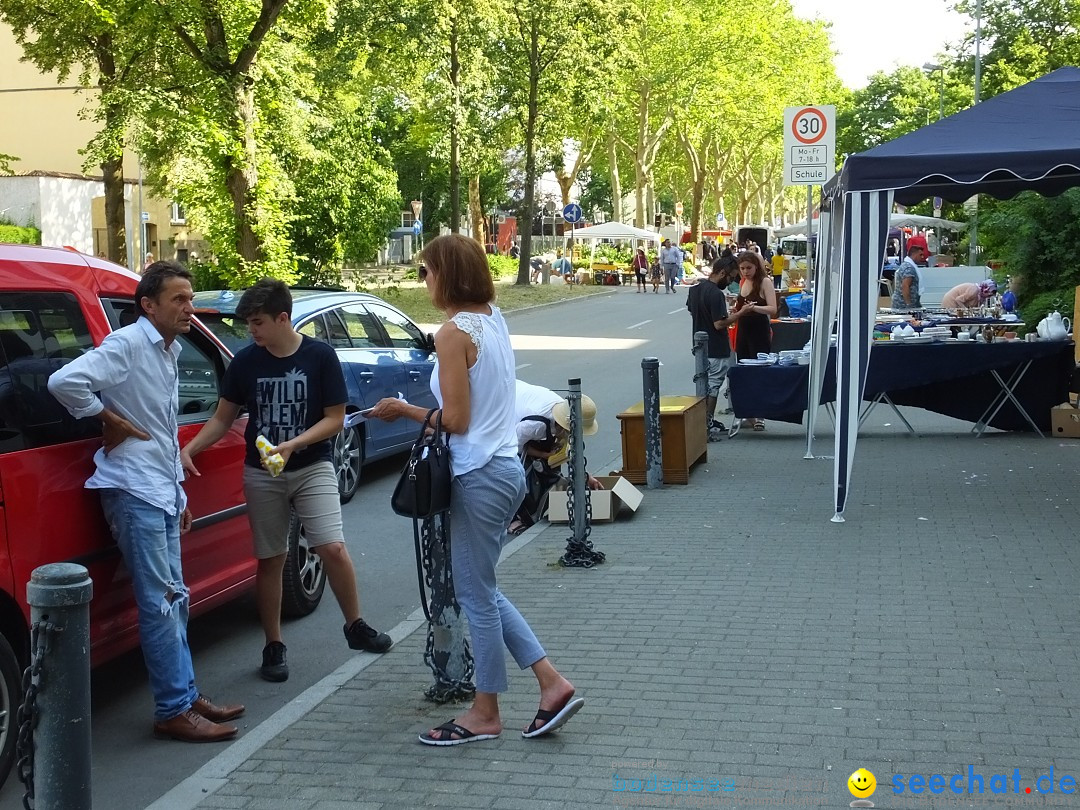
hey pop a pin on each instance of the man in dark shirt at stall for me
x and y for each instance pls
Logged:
(708, 310)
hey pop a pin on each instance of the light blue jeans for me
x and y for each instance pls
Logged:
(149, 539)
(482, 503)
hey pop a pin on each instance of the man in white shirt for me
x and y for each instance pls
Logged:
(671, 259)
(139, 475)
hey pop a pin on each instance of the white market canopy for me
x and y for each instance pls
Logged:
(895, 221)
(614, 230)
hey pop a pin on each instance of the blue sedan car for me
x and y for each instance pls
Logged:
(382, 353)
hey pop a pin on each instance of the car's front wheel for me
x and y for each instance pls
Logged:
(304, 579)
(10, 698)
(348, 462)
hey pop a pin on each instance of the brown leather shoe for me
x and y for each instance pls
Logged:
(190, 726)
(216, 714)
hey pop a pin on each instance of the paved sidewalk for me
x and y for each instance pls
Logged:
(747, 650)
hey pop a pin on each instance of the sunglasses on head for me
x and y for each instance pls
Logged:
(421, 272)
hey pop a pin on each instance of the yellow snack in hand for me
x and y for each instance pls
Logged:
(272, 462)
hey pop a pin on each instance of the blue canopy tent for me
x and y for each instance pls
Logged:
(1025, 139)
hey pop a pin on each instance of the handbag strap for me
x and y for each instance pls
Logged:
(420, 569)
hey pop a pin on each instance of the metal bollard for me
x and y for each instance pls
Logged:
(582, 517)
(447, 652)
(701, 375)
(654, 470)
(59, 750)
(579, 550)
(701, 365)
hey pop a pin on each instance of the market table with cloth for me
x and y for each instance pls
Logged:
(965, 380)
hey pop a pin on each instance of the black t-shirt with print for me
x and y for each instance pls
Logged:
(708, 305)
(285, 395)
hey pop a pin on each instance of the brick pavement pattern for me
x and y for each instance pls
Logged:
(735, 634)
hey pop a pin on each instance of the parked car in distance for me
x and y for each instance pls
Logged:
(382, 352)
(55, 305)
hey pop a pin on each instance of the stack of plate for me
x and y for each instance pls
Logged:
(937, 332)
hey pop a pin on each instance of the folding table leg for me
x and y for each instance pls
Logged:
(1006, 395)
(899, 415)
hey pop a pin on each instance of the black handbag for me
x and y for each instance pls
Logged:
(423, 490)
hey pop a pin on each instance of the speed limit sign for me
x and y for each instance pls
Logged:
(809, 145)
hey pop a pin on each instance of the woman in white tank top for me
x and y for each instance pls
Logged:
(474, 385)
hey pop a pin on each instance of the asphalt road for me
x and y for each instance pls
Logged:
(601, 340)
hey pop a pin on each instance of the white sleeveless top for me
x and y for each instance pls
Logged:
(491, 394)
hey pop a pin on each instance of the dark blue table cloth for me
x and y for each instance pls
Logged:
(948, 378)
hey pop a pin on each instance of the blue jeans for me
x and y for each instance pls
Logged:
(671, 276)
(149, 539)
(482, 502)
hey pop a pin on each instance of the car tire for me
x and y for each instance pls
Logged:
(10, 700)
(348, 458)
(304, 578)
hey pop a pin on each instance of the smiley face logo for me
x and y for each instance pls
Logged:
(862, 784)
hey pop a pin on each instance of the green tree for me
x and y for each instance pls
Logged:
(1022, 40)
(536, 49)
(229, 79)
(1038, 239)
(104, 43)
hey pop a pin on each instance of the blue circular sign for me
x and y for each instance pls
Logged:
(572, 213)
(417, 226)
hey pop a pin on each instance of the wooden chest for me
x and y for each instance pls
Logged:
(684, 439)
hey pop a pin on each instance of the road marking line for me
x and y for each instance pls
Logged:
(636, 325)
(520, 366)
(677, 311)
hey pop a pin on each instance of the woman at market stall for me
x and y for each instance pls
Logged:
(970, 295)
(754, 307)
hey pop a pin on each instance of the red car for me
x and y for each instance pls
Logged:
(56, 304)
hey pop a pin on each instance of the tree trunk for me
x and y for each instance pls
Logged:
(112, 168)
(455, 146)
(241, 176)
(476, 212)
(616, 181)
(528, 205)
(112, 172)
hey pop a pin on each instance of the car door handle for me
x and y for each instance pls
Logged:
(414, 374)
(367, 375)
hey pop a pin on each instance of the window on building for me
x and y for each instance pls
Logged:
(407, 219)
(178, 216)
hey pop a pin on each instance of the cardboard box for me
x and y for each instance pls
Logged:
(1065, 421)
(606, 502)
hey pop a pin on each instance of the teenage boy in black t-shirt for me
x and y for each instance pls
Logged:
(294, 390)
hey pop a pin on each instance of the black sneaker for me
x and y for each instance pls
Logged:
(716, 423)
(361, 636)
(274, 667)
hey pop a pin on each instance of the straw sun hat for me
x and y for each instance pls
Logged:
(561, 414)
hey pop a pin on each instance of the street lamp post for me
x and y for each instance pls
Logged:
(930, 67)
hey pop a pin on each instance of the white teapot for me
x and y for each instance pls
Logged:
(1054, 327)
